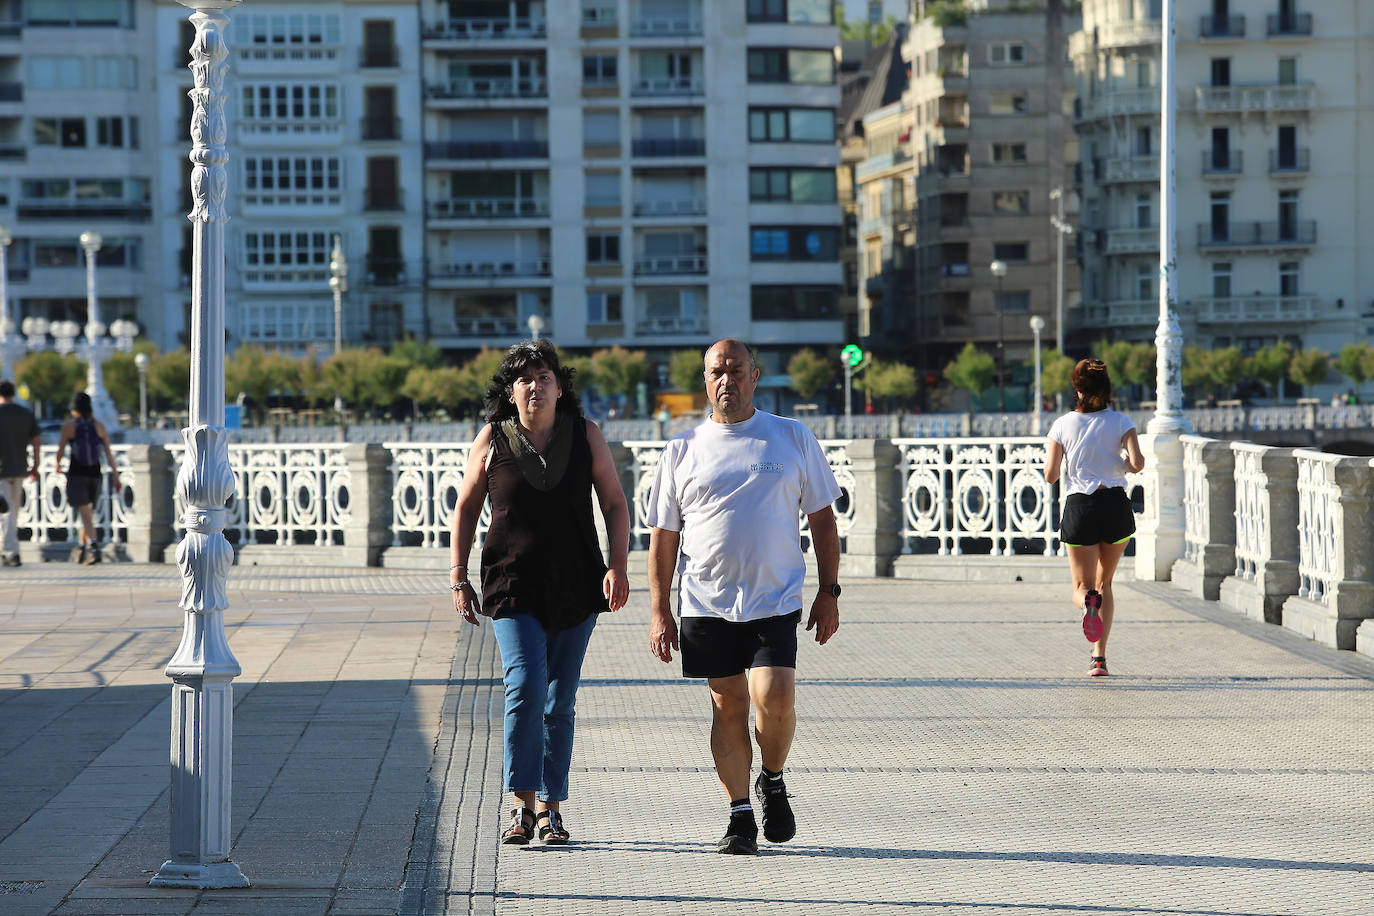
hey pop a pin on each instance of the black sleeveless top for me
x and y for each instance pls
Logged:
(541, 555)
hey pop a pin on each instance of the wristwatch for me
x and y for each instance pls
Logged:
(833, 588)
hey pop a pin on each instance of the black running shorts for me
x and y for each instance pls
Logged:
(82, 490)
(713, 647)
(1104, 517)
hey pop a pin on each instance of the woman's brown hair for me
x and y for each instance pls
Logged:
(1093, 384)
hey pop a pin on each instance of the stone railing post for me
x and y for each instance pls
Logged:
(150, 518)
(368, 530)
(874, 538)
(1159, 533)
(1335, 549)
(1266, 532)
(1209, 499)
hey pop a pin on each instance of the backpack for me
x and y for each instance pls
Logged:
(86, 444)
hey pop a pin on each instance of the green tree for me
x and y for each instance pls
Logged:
(809, 372)
(1354, 362)
(1140, 366)
(1309, 367)
(476, 374)
(948, 13)
(52, 378)
(888, 381)
(686, 370)
(121, 375)
(618, 371)
(258, 373)
(579, 366)
(875, 33)
(431, 388)
(1225, 367)
(1270, 365)
(1195, 374)
(169, 379)
(972, 370)
(365, 379)
(418, 353)
(1055, 372)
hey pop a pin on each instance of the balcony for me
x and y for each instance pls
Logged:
(256, 59)
(667, 85)
(13, 151)
(1221, 27)
(312, 132)
(876, 165)
(490, 326)
(1244, 309)
(1129, 168)
(84, 209)
(671, 264)
(955, 269)
(385, 271)
(670, 326)
(665, 27)
(872, 225)
(386, 200)
(489, 88)
(490, 270)
(1111, 103)
(379, 56)
(683, 206)
(599, 17)
(1131, 240)
(1290, 161)
(1222, 164)
(380, 128)
(1257, 234)
(679, 146)
(1119, 313)
(487, 149)
(1241, 99)
(1297, 25)
(1124, 33)
(484, 29)
(11, 92)
(489, 208)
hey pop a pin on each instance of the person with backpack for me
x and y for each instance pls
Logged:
(88, 438)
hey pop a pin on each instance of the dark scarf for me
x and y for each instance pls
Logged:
(542, 471)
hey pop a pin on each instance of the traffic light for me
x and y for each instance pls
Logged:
(852, 355)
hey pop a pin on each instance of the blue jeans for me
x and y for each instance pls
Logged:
(542, 673)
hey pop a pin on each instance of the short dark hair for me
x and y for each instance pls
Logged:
(6, 388)
(1093, 384)
(517, 361)
(81, 404)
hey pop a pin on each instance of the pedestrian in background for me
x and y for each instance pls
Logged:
(18, 432)
(544, 580)
(89, 440)
(724, 514)
(1094, 447)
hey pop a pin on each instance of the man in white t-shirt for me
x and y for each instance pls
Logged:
(725, 514)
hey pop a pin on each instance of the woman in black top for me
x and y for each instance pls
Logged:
(543, 577)
(88, 440)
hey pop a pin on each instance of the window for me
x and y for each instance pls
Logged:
(1221, 71)
(1013, 302)
(1221, 279)
(116, 132)
(1006, 53)
(1221, 148)
(1143, 208)
(287, 29)
(791, 65)
(603, 248)
(804, 12)
(794, 243)
(599, 70)
(603, 189)
(286, 257)
(797, 125)
(1011, 251)
(114, 72)
(603, 308)
(1009, 152)
(1288, 215)
(53, 72)
(289, 102)
(1221, 216)
(68, 132)
(1007, 103)
(810, 186)
(85, 189)
(795, 303)
(1143, 78)
(1142, 140)
(1288, 71)
(1288, 278)
(292, 180)
(1011, 201)
(601, 128)
(1287, 157)
(117, 13)
(1145, 281)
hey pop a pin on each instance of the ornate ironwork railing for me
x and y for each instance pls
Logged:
(425, 480)
(1319, 519)
(49, 519)
(1252, 509)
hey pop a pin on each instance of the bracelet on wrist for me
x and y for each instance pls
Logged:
(459, 586)
(462, 566)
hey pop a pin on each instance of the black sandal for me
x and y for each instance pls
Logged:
(521, 829)
(551, 829)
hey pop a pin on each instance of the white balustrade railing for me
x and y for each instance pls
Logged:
(1195, 500)
(46, 514)
(425, 481)
(1252, 509)
(644, 464)
(1319, 525)
(284, 494)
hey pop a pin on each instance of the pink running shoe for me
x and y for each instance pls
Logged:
(1098, 666)
(1092, 620)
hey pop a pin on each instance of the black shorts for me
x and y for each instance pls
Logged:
(712, 647)
(82, 490)
(1104, 517)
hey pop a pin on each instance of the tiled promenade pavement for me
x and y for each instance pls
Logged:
(951, 758)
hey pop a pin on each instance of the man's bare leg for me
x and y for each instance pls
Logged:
(734, 754)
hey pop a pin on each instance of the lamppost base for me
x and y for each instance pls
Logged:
(215, 875)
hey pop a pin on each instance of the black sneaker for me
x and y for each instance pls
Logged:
(741, 837)
(779, 824)
(14, 561)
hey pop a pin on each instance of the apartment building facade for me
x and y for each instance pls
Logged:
(77, 119)
(1272, 118)
(963, 168)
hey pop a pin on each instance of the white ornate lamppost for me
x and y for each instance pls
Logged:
(338, 285)
(999, 270)
(11, 346)
(536, 324)
(141, 364)
(1037, 324)
(202, 669)
(1062, 230)
(97, 348)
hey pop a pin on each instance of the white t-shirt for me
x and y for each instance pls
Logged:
(1092, 449)
(736, 491)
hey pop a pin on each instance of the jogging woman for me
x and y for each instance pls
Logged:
(1094, 447)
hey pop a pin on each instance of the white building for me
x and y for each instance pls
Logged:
(77, 121)
(649, 173)
(324, 139)
(1272, 184)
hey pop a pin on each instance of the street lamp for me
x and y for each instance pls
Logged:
(999, 270)
(11, 347)
(536, 324)
(1037, 325)
(338, 285)
(141, 363)
(1062, 230)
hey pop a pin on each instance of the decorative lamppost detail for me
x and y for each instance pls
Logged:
(202, 668)
(999, 270)
(11, 346)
